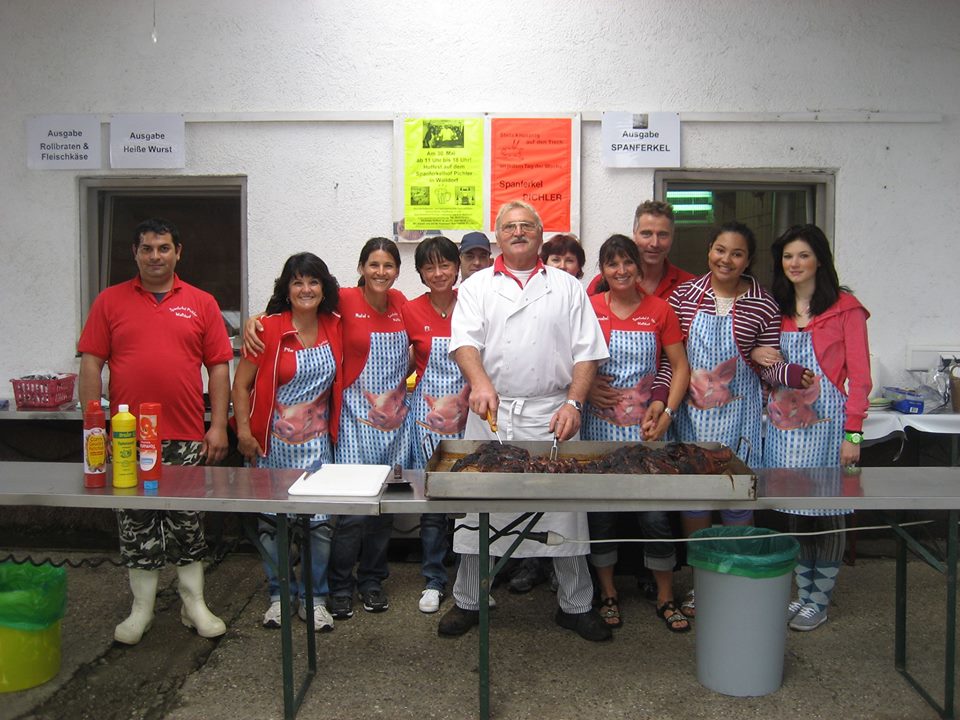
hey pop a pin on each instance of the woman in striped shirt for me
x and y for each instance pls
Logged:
(724, 315)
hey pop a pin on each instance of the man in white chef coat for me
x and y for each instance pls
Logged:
(528, 341)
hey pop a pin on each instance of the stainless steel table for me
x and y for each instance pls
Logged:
(211, 489)
(928, 488)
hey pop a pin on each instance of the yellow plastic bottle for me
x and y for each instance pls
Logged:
(123, 431)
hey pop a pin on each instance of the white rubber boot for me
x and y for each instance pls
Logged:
(143, 584)
(195, 613)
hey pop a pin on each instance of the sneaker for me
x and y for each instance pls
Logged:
(808, 618)
(271, 618)
(322, 622)
(491, 602)
(588, 625)
(793, 608)
(456, 621)
(341, 606)
(374, 600)
(430, 600)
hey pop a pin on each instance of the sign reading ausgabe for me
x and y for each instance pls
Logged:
(640, 139)
(63, 142)
(147, 140)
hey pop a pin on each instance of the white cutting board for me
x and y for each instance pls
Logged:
(343, 480)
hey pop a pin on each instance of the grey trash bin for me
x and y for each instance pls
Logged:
(743, 588)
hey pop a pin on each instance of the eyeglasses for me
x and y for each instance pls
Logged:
(524, 227)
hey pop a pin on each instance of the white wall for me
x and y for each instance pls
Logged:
(327, 186)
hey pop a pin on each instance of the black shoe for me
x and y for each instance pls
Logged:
(341, 607)
(456, 621)
(588, 625)
(374, 600)
(529, 575)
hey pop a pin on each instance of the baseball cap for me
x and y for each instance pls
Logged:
(474, 240)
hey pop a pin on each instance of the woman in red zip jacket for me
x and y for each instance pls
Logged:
(286, 403)
(824, 329)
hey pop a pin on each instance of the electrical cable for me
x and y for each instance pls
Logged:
(552, 538)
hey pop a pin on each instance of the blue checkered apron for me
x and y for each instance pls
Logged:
(817, 444)
(441, 378)
(358, 440)
(709, 343)
(632, 356)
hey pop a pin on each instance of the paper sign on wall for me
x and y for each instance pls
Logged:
(443, 173)
(63, 142)
(640, 139)
(147, 140)
(532, 159)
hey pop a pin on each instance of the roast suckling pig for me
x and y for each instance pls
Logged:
(670, 459)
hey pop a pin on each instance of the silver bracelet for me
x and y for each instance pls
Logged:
(668, 411)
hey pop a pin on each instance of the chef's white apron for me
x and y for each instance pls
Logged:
(523, 419)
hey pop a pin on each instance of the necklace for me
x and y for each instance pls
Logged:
(447, 310)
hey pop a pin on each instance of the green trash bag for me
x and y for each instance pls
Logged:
(763, 554)
(32, 597)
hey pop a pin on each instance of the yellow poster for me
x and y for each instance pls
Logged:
(443, 173)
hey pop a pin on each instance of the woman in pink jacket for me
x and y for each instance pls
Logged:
(824, 329)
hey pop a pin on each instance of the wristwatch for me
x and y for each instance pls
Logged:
(577, 405)
(668, 411)
(853, 437)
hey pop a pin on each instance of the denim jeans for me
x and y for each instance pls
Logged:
(433, 540)
(320, 533)
(654, 524)
(364, 538)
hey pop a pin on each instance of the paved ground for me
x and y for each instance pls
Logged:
(393, 665)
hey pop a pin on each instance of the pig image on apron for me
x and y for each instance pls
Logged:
(440, 403)
(724, 403)
(631, 366)
(299, 432)
(374, 423)
(805, 426)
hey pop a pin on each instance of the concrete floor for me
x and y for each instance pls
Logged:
(393, 665)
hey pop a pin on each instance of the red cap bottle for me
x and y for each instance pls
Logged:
(94, 446)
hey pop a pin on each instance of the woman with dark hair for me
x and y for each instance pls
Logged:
(824, 329)
(286, 407)
(439, 404)
(374, 427)
(622, 407)
(564, 251)
(724, 315)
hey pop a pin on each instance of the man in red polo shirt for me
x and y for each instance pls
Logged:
(653, 226)
(155, 331)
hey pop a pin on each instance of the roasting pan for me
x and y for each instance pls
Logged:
(737, 483)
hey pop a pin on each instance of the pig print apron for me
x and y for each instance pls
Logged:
(632, 365)
(805, 426)
(374, 424)
(299, 425)
(440, 404)
(724, 402)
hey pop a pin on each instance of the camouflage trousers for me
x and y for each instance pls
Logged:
(151, 538)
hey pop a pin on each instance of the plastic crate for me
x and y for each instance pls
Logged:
(32, 393)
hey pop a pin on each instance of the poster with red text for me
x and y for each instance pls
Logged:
(536, 159)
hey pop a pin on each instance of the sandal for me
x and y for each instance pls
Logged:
(610, 612)
(673, 618)
(689, 605)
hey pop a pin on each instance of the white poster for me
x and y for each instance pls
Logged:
(148, 140)
(649, 140)
(63, 142)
